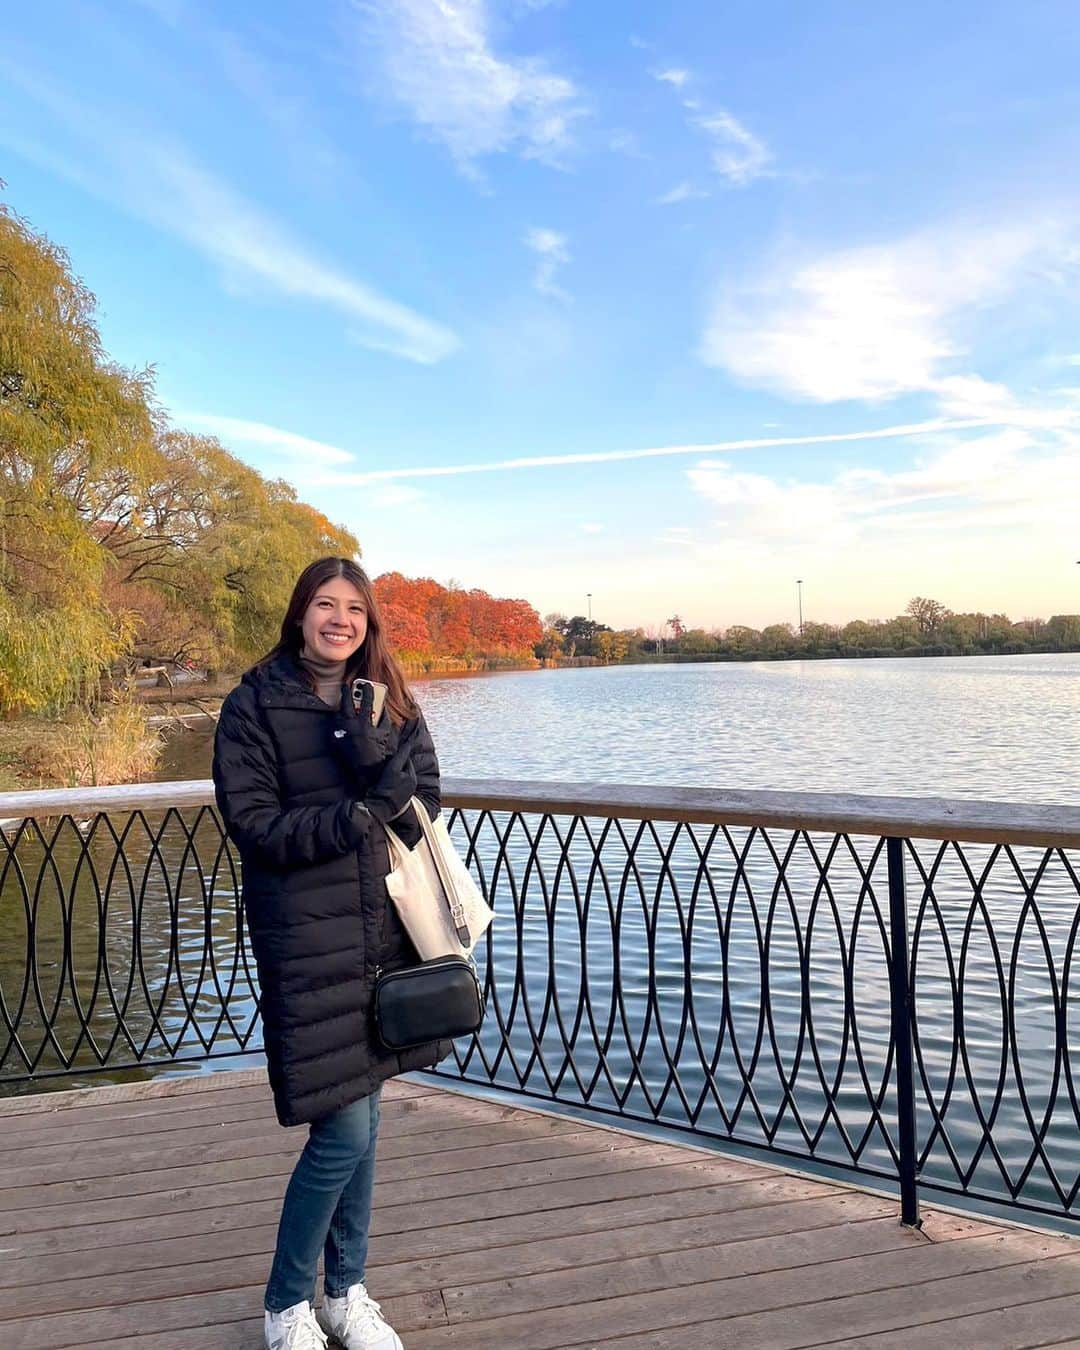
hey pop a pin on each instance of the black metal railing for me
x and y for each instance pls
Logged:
(834, 980)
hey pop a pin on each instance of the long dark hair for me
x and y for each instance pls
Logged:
(373, 660)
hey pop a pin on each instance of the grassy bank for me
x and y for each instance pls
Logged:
(112, 743)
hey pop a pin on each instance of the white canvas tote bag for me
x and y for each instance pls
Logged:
(441, 906)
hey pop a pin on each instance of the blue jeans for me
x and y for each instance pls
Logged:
(327, 1207)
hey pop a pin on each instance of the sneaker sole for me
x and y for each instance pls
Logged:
(395, 1344)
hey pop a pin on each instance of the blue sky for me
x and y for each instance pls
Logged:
(672, 304)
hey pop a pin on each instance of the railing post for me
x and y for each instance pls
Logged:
(901, 1033)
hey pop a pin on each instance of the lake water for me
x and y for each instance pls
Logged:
(1000, 728)
(668, 939)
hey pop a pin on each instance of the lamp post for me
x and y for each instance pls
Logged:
(589, 598)
(799, 585)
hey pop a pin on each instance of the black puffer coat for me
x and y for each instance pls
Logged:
(317, 909)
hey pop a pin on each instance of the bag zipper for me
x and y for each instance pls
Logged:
(405, 970)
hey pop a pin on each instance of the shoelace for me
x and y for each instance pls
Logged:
(362, 1312)
(304, 1333)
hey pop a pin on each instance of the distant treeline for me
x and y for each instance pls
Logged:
(125, 540)
(926, 628)
(428, 623)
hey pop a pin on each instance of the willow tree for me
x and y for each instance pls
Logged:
(69, 418)
(119, 535)
(206, 553)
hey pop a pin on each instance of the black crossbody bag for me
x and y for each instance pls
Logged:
(436, 1000)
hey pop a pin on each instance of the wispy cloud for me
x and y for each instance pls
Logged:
(397, 495)
(931, 427)
(682, 192)
(438, 61)
(738, 155)
(159, 181)
(550, 247)
(274, 439)
(1011, 477)
(877, 322)
(221, 224)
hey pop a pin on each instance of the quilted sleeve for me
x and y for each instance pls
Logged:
(246, 789)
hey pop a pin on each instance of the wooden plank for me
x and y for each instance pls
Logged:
(214, 1170)
(511, 1297)
(135, 1108)
(58, 1216)
(614, 1309)
(231, 1336)
(402, 1188)
(48, 803)
(94, 1102)
(176, 1315)
(84, 1098)
(1049, 826)
(391, 1241)
(186, 1118)
(89, 1159)
(612, 1271)
(435, 1112)
(392, 1216)
(286, 1146)
(403, 1275)
(267, 1155)
(868, 1316)
(422, 1191)
(178, 1117)
(528, 1291)
(596, 1236)
(1047, 1322)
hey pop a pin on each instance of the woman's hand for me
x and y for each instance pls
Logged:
(362, 745)
(396, 784)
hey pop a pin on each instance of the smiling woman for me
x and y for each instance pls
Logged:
(305, 783)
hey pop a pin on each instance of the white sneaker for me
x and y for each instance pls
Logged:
(355, 1323)
(295, 1328)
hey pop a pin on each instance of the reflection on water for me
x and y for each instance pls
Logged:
(1003, 728)
(782, 1031)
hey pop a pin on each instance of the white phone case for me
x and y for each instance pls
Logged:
(380, 699)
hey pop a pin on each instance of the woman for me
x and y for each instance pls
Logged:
(304, 783)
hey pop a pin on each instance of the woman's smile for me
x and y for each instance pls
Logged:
(335, 622)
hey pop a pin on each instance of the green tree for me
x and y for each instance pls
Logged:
(696, 642)
(739, 638)
(928, 614)
(778, 637)
(1063, 630)
(858, 633)
(118, 534)
(69, 420)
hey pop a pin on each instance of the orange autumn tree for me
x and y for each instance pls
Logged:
(426, 620)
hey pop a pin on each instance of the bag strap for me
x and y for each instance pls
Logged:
(434, 843)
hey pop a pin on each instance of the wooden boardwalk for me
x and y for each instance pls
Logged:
(142, 1218)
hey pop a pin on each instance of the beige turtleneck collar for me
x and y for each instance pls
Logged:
(329, 676)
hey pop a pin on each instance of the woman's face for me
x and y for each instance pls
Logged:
(335, 623)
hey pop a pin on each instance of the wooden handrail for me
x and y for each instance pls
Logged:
(834, 813)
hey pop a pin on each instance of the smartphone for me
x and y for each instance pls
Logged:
(380, 698)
